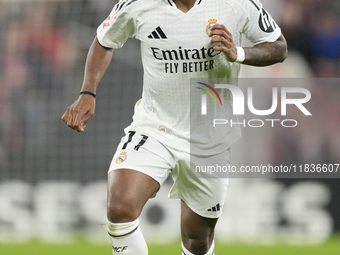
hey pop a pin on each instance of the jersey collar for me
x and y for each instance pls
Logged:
(172, 3)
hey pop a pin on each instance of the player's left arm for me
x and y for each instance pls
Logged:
(262, 54)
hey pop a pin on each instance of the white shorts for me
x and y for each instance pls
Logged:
(140, 152)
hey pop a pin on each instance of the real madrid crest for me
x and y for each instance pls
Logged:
(121, 158)
(211, 22)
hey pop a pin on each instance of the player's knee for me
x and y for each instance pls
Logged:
(122, 212)
(198, 234)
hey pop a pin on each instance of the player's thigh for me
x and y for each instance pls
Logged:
(196, 228)
(128, 191)
(138, 169)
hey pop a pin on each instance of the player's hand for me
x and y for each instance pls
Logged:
(223, 37)
(77, 115)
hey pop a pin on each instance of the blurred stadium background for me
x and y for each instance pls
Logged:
(53, 180)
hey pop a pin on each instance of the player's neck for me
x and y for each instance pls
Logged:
(184, 5)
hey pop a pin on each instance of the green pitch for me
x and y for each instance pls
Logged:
(332, 247)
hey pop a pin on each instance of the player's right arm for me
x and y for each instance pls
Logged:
(77, 114)
(111, 34)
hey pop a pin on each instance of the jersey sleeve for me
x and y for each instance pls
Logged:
(118, 26)
(258, 25)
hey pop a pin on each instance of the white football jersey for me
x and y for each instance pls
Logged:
(175, 48)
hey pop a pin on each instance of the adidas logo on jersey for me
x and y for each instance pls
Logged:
(157, 34)
(215, 208)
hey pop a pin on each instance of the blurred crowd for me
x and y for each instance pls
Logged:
(43, 46)
(312, 28)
